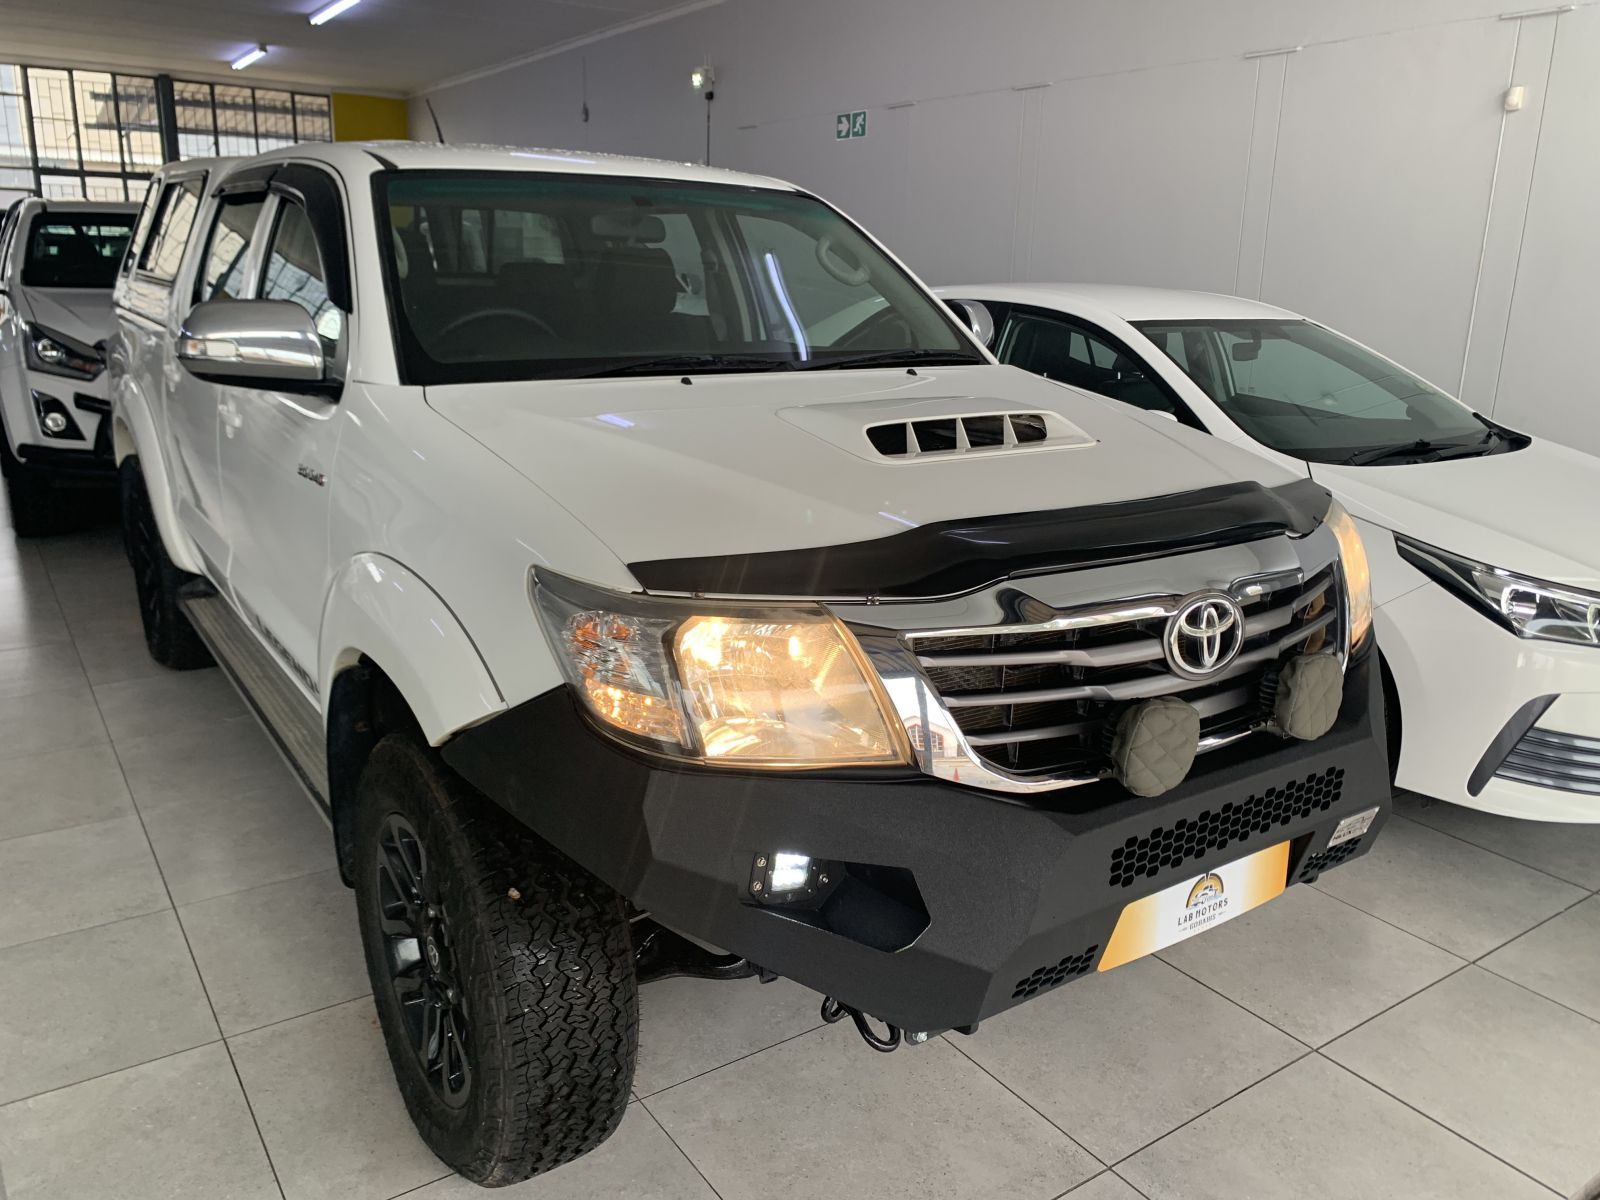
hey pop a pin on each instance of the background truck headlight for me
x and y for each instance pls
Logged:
(753, 686)
(56, 354)
(1530, 608)
(1357, 574)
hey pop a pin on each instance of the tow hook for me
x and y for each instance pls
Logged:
(833, 1012)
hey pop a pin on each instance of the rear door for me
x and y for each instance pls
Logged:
(278, 447)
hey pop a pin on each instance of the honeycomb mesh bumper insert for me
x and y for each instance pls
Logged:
(1316, 864)
(1055, 974)
(1191, 840)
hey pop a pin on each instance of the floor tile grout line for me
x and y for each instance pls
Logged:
(310, 1012)
(1209, 1109)
(61, 1087)
(154, 912)
(945, 1038)
(182, 931)
(1392, 925)
(1239, 1004)
(1427, 1116)
(1365, 1021)
(12, 837)
(1517, 983)
(410, 1191)
(667, 1133)
(256, 887)
(1479, 846)
(709, 1070)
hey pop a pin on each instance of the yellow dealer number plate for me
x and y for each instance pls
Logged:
(1197, 904)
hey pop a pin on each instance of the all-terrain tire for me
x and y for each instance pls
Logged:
(533, 980)
(170, 638)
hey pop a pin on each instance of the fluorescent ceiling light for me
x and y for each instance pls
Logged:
(248, 57)
(330, 11)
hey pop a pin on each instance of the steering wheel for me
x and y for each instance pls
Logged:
(834, 264)
(486, 314)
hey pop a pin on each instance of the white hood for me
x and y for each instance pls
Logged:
(83, 314)
(1532, 510)
(657, 468)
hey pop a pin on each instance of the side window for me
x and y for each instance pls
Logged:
(141, 228)
(294, 271)
(163, 252)
(1073, 354)
(222, 271)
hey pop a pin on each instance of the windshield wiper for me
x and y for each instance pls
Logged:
(689, 364)
(1416, 449)
(895, 358)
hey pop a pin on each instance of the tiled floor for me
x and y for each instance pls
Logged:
(183, 1008)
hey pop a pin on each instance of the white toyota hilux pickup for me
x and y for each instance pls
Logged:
(634, 558)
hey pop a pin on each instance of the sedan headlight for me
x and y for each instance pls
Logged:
(753, 686)
(57, 354)
(1357, 574)
(1530, 608)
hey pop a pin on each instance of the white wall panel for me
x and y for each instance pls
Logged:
(1371, 179)
(1547, 380)
(1386, 155)
(1141, 177)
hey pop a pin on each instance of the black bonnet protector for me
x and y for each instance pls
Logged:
(953, 557)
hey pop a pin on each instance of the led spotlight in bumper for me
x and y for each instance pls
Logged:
(783, 876)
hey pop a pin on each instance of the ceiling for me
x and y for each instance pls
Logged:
(397, 46)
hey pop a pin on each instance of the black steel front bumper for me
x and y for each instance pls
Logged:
(943, 905)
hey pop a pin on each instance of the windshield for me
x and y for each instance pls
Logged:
(76, 250)
(513, 275)
(1306, 391)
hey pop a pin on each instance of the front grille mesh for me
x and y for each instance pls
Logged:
(1045, 701)
(1055, 974)
(1190, 841)
(1564, 761)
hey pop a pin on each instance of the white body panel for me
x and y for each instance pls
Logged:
(1459, 675)
(400, 524)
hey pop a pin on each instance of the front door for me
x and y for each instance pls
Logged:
(276, 451)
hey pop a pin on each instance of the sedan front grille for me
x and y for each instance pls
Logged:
(1045, 701)
(1564, 761)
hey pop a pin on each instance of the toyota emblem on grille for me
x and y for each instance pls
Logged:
(1204, 635)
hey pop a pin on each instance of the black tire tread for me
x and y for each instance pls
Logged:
(545, 948)
(172, 640)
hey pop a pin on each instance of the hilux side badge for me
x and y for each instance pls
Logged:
(316, 477)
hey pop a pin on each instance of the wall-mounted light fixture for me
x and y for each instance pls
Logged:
(329, 11)
(701, 78)
(253, 55)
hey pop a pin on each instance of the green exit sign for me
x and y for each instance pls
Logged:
(850, 125)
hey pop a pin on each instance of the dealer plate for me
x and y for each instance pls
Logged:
(1197, 904)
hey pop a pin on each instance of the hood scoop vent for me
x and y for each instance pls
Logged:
(969, 434)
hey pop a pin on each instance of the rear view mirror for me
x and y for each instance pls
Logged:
(261, 343)
(1246, 351)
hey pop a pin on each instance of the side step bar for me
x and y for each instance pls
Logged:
(293, 724)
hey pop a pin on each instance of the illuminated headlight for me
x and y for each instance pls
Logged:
(752, 686)
(1357, 574)
(1530, 608)
(56, 354)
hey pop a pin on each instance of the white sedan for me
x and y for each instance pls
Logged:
(1484, 544)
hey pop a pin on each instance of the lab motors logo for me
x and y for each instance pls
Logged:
(1207, 887)
(1204, 635)
(1207, 904)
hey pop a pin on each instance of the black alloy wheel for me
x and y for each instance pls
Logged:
(423, 968)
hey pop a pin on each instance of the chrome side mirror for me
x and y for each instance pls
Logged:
(975, 317)
(266, 343)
